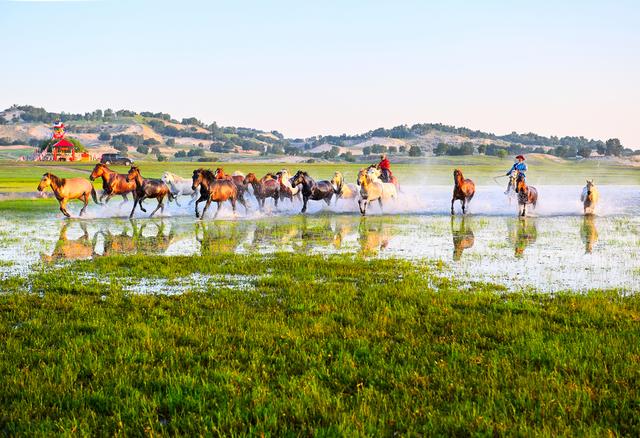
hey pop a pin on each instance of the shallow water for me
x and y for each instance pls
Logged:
(555, 249)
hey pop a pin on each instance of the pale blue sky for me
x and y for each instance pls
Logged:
(305, 68)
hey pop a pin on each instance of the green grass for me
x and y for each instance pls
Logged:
(19, 177)
(326, 346)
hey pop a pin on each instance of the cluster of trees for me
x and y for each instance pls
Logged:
(197, 152)
(6, 141)
(466, 148)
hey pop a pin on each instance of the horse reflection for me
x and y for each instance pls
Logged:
(219, 237)
(134, 241)
(463, 237)
(589, 233)
(72, 249)
(522, 233)
(374, 236)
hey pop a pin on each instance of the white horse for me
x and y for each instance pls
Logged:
(342, 190)
(179, 186)
(373, 189)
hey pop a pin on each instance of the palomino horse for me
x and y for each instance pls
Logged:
(463, 237)
(590, 197)
(463, 190)
(214, 190)
(589, 233)
(342, 189)
(237, 178)
(311, 189)
(375, 170)
(66, 189)
(373, 189)
(267, 187)
(146, 189)
(286, 189)
(526, 195)
(113, 183)
(179, 186)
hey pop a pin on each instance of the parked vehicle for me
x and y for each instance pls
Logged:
(116, 159)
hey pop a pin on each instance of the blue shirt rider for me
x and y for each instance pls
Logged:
(519, 166)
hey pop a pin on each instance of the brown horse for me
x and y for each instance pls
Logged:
(237, 178)
(267, 187)
(463, 190)
(526, 195)
(147, 188)
(66, 189)
(113, 183)
(590, 197)
(212, 189)
(463, 238)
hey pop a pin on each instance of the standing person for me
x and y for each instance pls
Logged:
(385, 168)
(519, 166)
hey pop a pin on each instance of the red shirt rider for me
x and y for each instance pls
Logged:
(385, 167)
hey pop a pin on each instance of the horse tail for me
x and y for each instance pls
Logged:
(95, 196)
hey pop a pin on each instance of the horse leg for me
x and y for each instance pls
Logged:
(160, 205)
(380, 203)
(452, 201)
(464, 205)
(63, 207)
(244, 204)
(304, 203)
(206, 206)
(175, 198)
(142, 198)
(135, 202)
(85, 199)
(362, 204)
(275, 198)
(193, 198)
(215, 215)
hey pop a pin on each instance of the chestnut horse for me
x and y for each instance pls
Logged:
(237, 178)
(589, 198)
(66, 189)
(113, 183)
(212, 189)
(148, 188)
(526, 195)
(316, 191)
(267, 187)
(463, 190)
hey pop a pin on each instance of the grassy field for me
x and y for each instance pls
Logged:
(24, 176)
(316, 346)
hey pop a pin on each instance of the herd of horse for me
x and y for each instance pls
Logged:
(217, 186)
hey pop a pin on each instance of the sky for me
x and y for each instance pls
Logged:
(330, 67)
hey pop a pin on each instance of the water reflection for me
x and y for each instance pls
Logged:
(72, 249)
(463, 237)
(219, 237)
(589, 233)
(523, 231)
(374, 235)
(143, 237)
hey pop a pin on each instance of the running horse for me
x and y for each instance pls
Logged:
(267, 187)
(148, 189)
(66, 189)
(179, 186)
(213, 190)
(342, 189)
(372, 188)
(526, 195)
(286, 189)
(463, 190)
(311, 189)
(237, 178)
(589, 198)
(375, 170)
(113, 183)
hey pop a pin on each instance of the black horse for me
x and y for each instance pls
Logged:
(316, 191)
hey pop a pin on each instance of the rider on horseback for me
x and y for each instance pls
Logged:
(520, 167)
(385, 168)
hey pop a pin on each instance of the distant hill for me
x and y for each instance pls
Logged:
(158, 133)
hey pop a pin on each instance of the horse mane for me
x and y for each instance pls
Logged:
(207, 173)
(56, 179)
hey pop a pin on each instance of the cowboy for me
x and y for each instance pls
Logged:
(385, 168)
(520, 167)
